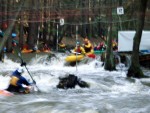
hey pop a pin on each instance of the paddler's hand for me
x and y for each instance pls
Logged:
(23, 64)
(28, 89)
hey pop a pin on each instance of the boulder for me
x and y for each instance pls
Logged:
(71, 81)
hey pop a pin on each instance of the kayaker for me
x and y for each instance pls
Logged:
(79, 49)
(101, 46)
(62, 45)
(17, 81)
(114, 45)
(88, 46)
(45, 47)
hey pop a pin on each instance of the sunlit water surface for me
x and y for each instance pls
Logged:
(109, 92)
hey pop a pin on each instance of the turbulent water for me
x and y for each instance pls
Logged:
(109, 92)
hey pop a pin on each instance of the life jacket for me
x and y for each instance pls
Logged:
(13, 86)
(14, 80)
(62, 45)
(78, 50)
(88, 48)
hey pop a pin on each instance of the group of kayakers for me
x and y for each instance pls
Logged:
(17, 80)
(85, 48)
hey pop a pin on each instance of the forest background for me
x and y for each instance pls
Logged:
(37, 21)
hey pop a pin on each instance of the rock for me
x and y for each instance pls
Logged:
(71, 81)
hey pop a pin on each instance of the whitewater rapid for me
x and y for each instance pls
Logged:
(109, 92)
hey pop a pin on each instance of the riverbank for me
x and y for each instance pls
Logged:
(71, 41)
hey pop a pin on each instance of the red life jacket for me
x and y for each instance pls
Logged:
(78, 50)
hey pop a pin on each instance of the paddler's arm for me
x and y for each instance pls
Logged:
(25, 82)
(83, 51)
(87, 45)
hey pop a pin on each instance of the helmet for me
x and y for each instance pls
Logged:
(13, 35)
(20, 70)
(78, 43)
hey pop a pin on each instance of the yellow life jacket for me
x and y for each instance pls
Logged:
(62, 45)
(79, 50)
(88, 47)
(14, 81)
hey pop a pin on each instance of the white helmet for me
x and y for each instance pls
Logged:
(20, 70)
(78, 43)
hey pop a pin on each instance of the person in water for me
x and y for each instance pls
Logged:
(79, 49)
(17, 81)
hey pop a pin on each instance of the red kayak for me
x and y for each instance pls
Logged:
(5, 93)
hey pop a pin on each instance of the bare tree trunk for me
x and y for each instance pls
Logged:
(45, 24)
(1, 20)
(120, 2)
(21, 33)
(33, 27)
(10, 19)
(1, 14)
(109, 61)
(9, 29)
(84, 18)
(135, 70)
(89, 19)
(4, 15)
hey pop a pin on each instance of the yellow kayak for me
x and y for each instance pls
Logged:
(74, 58)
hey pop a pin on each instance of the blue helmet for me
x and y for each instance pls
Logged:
(13, 35)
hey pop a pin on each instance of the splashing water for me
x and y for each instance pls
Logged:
(109, 92)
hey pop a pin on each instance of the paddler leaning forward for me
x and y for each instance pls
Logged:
(17, 81)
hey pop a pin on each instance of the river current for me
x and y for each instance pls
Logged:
(109, 92)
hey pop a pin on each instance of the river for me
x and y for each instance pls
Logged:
(109, 92)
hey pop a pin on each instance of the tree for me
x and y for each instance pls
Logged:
(109, 61)
(10, 27)
(45, 24)
(135, 70)
(84, 19)
(9, 21)
(33, 25)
